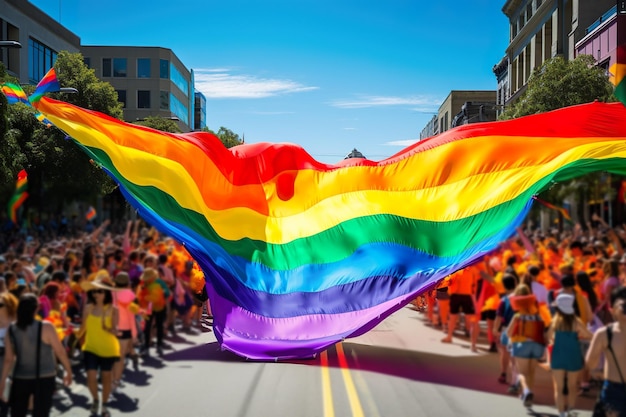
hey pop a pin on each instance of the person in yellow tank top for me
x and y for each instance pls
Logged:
(101, 348)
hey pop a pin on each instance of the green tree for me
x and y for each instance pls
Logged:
(560, 83)
(160, 123)
(6, 164)
(226, 136)
(58, 170)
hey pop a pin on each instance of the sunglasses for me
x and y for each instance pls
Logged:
(97, 291)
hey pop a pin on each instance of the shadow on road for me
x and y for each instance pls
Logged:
(477, 373)
(205, 352)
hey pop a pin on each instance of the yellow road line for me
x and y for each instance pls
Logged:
(327, 393)
(366, 394)
(355, 403)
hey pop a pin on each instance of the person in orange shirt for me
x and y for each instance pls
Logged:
(462, 291)
(443, 303)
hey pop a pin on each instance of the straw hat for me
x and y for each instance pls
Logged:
(98, 281)
(149, 275)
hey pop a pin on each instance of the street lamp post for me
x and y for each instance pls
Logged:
(8, 45)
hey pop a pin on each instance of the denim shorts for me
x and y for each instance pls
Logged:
(613, 397)
(504, 339)
(527, 350)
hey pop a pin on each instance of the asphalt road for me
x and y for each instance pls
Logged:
(398, 369)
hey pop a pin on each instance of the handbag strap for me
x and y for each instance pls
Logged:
(609, 335)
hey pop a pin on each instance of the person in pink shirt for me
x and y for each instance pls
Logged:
(124, 300)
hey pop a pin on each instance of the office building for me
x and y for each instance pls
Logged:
(199, 119)
(40, 36)
(150, 81)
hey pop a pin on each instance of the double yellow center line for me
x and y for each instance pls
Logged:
(327, 394)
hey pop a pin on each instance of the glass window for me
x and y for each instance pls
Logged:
(121, 97)
(164, 69)
(42, 58)
(119, 67)
(106, 67)
(143, 68)
(179, 109)
(87, 61)
(179, 80)
(164, 100)
(143, 99)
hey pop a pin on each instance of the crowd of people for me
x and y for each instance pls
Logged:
(555, 301)
(96, 298)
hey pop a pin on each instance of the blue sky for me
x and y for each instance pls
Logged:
(327, 75)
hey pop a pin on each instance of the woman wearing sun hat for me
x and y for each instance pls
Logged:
(566, 358)
(99, 326)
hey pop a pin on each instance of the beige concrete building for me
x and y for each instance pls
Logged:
(150, 81)
(41, 39)
(451, 111)
(539, 31)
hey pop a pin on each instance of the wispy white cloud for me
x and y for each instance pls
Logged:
(402, 143)
(379, 101)
(271, 113)
(222, 83)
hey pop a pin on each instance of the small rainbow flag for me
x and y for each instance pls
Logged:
(14, 93)
(562, 210)
(19, 195)
(48, 84)
(91, 213)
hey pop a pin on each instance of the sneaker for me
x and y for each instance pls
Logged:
(528, 399)
(94, 407)
(105, 412)
(159, 351)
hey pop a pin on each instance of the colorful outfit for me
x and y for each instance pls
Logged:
(101, 348)
(152, 296)
(527, 338)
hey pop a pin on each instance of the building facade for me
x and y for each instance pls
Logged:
(458, 109)
(601, 39)
(431, 128)
(40, 36)
(199, 118)
(150, 81)
(540, 30)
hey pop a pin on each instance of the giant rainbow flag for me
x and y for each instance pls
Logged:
(299, 254)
